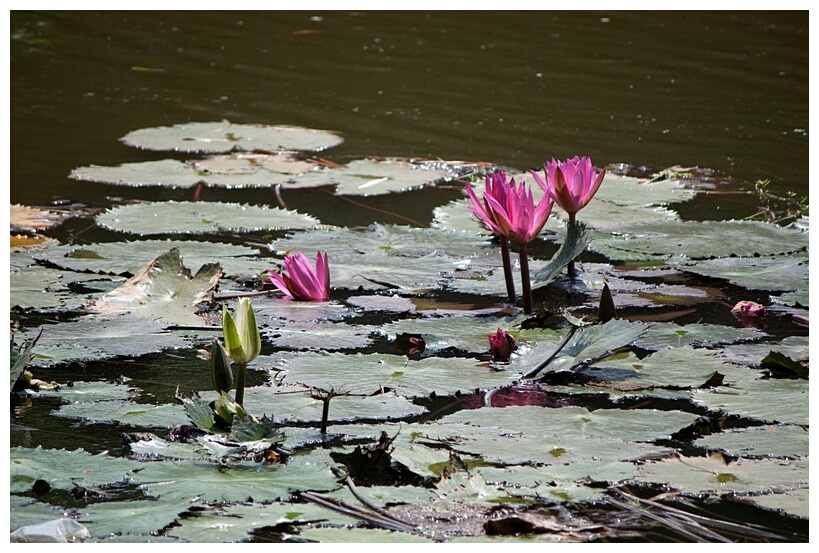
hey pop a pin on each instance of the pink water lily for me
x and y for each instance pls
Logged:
(302, 282)
(496, 187)
(510, 212)
(509, 209)
(501, 345)
(571, 183)
(749, 309)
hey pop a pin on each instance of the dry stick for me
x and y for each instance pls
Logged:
(560, 346)
(507, 269)
(359, 513)
(656, 518)
(366, 502)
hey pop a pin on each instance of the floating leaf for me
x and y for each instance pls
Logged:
(783, 441)
(393, 240)
(662, 335)
(166, 172)
(64, 469)
(746, 394)
(368, 177)
(129, 257)
(698, 240)
(714, 475)
(177, 480)
(672, 367)
(244, 163)
(234, 523)
(368, 374)
(200, 217)
(43, 288)
(296, 404)
(96, 338)
(139, 518)
(598, 445)
(224, 136)
(757, 273)
(323, 336)
(164, 290)
(593, 342)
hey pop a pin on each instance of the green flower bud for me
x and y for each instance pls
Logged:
(225, 407)
(221, 373)
(242, 338)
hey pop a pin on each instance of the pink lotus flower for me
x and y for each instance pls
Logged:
(749, 309)
(302, 282)
(571, 183)
(510, 212)
(496, 186)
(501, 345)
(509, 209)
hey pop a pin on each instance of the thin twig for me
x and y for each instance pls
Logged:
(357, 512)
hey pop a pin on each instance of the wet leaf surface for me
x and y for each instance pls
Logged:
(388, 389)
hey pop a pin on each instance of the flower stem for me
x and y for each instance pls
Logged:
(570, 267)
(507, 269)
(240, 383)
(524, 277)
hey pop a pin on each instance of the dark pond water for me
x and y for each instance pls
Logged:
(722, 90)
(719, 90)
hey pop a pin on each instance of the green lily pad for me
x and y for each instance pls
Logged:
(783, 441)
(166, 172)
(714, 475)
(757, 273)
(671, 367)
(320, 336)
(747, 394)
(295, 404)
(663, 335)
(177, 480)
(553, 484)
(369, 177)
(698, 240)
(200, 217)
(796, 502)
(92, 338)
(394, 240)
(224, 136)
(164, 290)
(64, 469)
(234, 523)
(799, 297)
(795, 347)
(469, 334)
(126, 258)
(125, 412)
(360, 535)
(573, 442)
(139, 518)
(368, 374)
(246, 163)
(43, 288)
